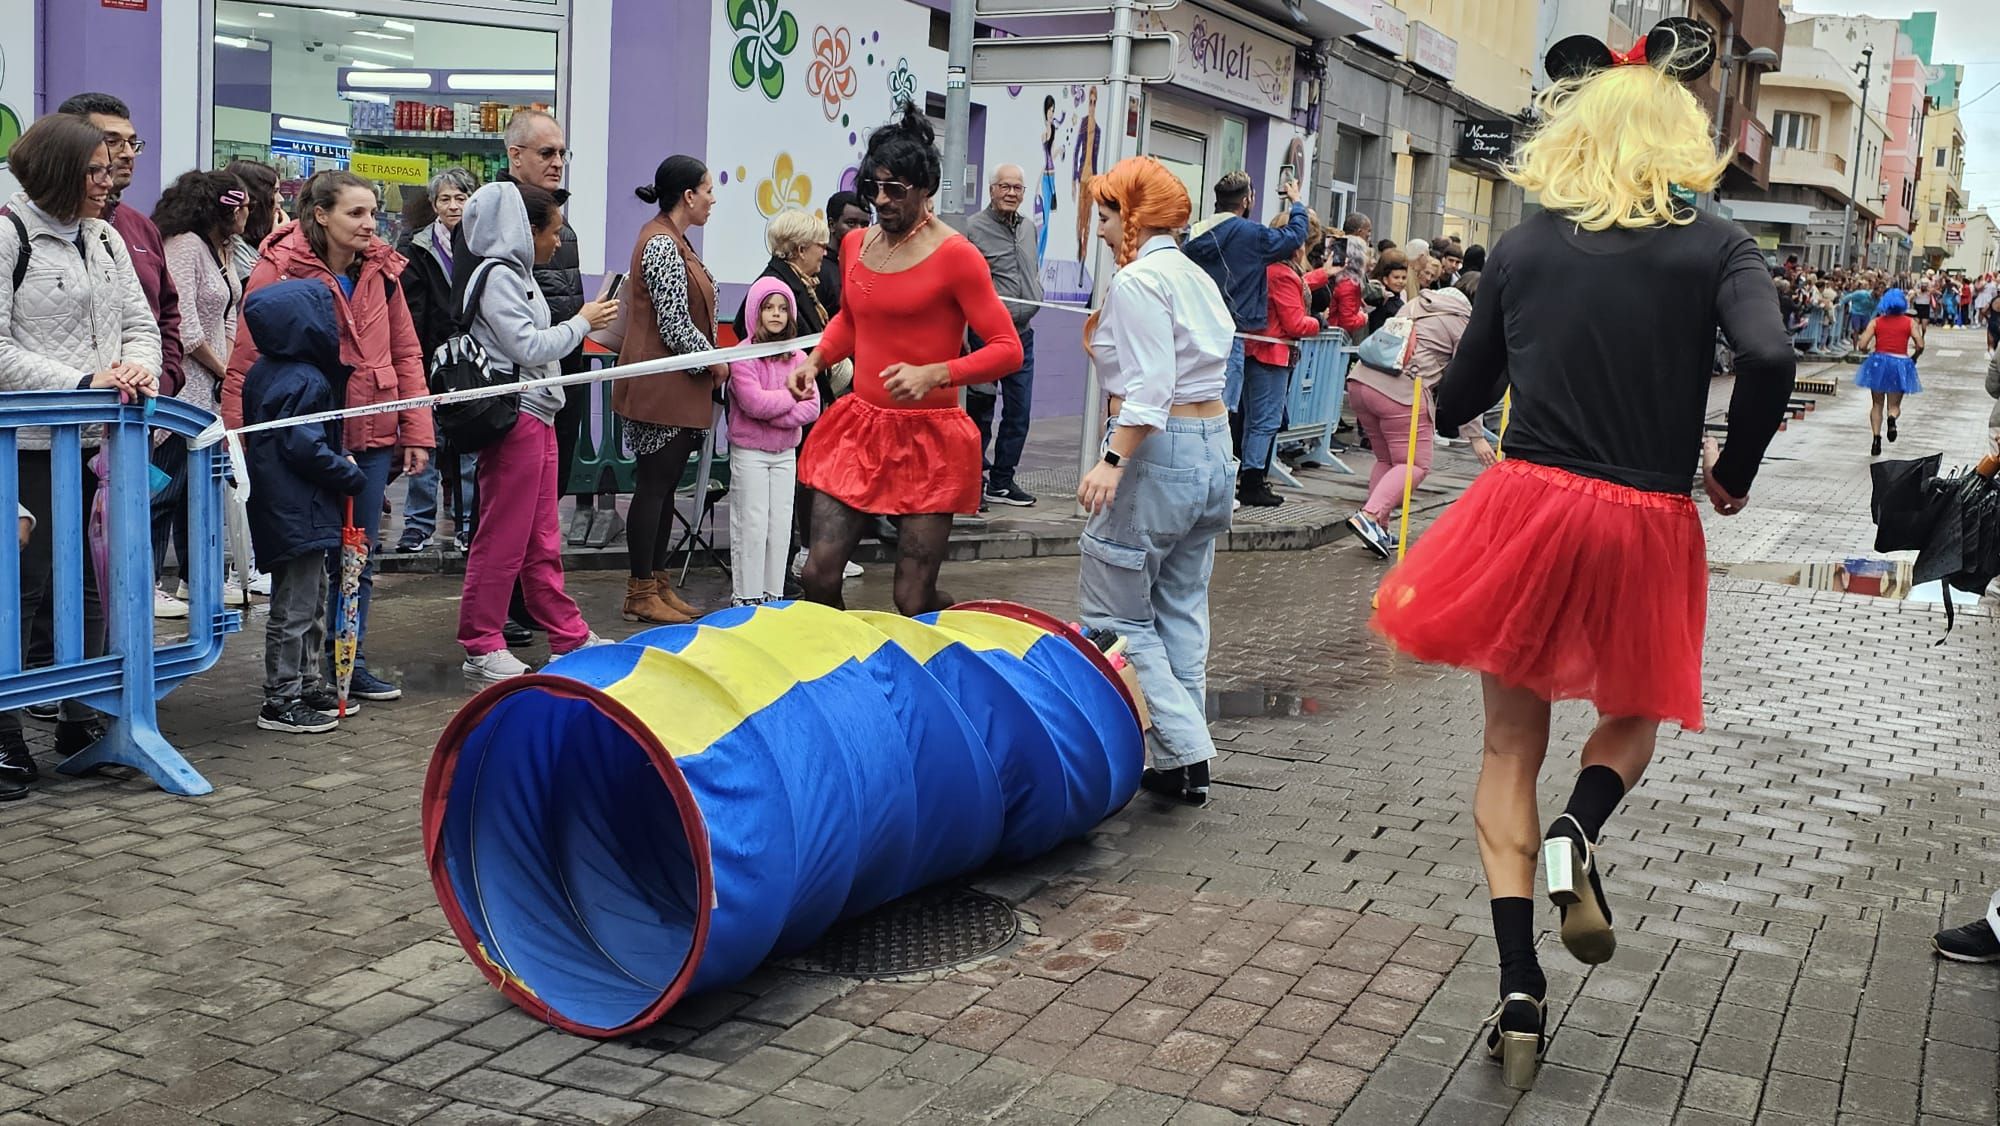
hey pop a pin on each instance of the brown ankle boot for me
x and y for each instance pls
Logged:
(671, 598)
(642, 604)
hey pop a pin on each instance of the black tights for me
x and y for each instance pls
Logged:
(920, 551)
(649, 529)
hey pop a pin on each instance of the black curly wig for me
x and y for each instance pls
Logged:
(907, 147)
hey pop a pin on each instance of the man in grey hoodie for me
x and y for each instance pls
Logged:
(1233, 250)
(512, 228)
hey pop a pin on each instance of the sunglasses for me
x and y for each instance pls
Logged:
(550, 152)
(896, 190)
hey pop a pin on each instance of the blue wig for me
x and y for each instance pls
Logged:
(1892, 304)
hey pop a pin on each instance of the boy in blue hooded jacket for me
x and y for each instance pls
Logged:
(298, 479)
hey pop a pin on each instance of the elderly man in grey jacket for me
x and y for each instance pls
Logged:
(1007, 239)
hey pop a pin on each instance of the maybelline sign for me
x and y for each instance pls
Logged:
(1228, 60)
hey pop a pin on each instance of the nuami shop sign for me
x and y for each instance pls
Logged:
(1223, 58)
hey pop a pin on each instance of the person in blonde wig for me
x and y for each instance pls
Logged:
(1581, 554)
(1161, 493)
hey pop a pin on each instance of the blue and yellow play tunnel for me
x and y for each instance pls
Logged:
(644, 820)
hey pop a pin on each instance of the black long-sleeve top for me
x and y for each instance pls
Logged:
(1608, 340)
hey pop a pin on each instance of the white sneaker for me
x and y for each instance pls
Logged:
(851, 571)
(167, 607)
(496, 666)
(799, 564)
(591, 642)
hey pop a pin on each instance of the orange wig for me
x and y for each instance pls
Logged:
(1146, 196)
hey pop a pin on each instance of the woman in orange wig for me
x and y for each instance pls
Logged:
(1161, 494)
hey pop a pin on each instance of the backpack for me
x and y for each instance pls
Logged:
(25, 252)
(461, 364)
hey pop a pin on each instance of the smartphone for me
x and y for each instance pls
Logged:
(1286, 174)
(613, 286)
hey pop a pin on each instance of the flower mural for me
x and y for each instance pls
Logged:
(784, 190)
(765, 34)
(902, 86)
(831, 77)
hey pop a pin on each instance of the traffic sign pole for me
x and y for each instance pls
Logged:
(1122, 27)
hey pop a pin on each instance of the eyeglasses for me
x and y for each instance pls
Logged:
(551, 152)
(119, 144)
(1009, 189)
(896, 190)
(97, 172)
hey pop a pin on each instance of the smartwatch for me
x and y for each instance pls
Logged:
(1112, 459)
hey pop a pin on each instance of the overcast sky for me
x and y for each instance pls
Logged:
(1968, 32)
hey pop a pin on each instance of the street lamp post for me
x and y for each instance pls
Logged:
(1860, 130)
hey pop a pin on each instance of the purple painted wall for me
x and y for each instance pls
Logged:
(659, 102)
(86, 46)
(243, 79)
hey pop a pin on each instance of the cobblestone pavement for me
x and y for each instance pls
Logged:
(1308, 949)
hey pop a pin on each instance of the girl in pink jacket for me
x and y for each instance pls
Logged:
(764, 427)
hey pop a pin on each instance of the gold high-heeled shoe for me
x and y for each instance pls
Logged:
(1519, 1053)
(1586, 918)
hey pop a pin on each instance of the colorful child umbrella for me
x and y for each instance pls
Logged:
(347, 629)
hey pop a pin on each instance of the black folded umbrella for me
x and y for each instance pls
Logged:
(1963, 551)
(1906, 502)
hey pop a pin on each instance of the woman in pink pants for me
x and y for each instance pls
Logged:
(513, 227)
(1383, 401)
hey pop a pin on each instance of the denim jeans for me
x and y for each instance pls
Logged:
(1018, 391)
(420, 507)
(1232, 385)
(375, 466)
(1144, 574)
(1264, 387)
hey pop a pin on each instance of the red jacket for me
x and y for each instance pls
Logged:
(1287, 317)
(377, 339)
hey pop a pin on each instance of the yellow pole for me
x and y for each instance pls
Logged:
(1410, 469)
(1506, 414)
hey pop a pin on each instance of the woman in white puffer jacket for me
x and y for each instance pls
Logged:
(76, 319)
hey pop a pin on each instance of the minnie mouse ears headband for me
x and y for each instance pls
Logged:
(1683, 48)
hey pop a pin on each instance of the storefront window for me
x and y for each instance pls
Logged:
(1468, 207)
(393, 98)
(1406, 176)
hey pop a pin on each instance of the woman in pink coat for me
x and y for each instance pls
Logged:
(334, 242)
(765, 425)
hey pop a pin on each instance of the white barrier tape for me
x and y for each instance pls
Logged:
(1087, 310)
(216, 432)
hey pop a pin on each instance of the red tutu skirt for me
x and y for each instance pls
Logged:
(892, 461)
(1570, 587)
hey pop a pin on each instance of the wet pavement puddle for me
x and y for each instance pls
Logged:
(1876, 578)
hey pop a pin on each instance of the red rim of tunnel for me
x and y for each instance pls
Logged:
(1052, 624)
(445, 757)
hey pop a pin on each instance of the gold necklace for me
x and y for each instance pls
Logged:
(895, 248)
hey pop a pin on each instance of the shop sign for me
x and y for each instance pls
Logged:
(1954, 232)
(1485, 140)
(391, 169)
(1221, 57)
(1767, 242)
(1389, 28)
(128, 5)
(1433, 50)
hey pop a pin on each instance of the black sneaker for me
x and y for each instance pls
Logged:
(1973, 942)
(1013, 495)
(47, 713)
(76, 735)
(365, 685)
(11, 790)
(325, 699)
(411, 547)
(295, 717)
(517, 635)
(17, 763)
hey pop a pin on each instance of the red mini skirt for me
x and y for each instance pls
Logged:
(893, 461)
(1570, 587)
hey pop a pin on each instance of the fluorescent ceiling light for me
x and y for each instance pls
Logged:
(241, 43)
(222, 22)
(308, 125)
(379, 35)
(500, 82)
(399, 25)
(364, 64)
(391, 80)
(340, 12)
(403, 56)
(267, 15)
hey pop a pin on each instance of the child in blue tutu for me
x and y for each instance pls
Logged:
(1890, 371)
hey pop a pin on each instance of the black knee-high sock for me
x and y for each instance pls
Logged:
(1598, 791)
(1514, 932)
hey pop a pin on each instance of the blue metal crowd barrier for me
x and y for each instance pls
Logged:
(127, 682)
(1312, 403)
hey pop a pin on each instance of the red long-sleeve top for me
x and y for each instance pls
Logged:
(1288, 316)
(919, 316)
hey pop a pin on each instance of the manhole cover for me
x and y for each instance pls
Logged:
(933, 930)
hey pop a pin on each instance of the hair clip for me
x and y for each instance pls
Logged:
(1681, 47)
(234, 197)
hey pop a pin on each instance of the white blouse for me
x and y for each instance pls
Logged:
(1164, 336)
